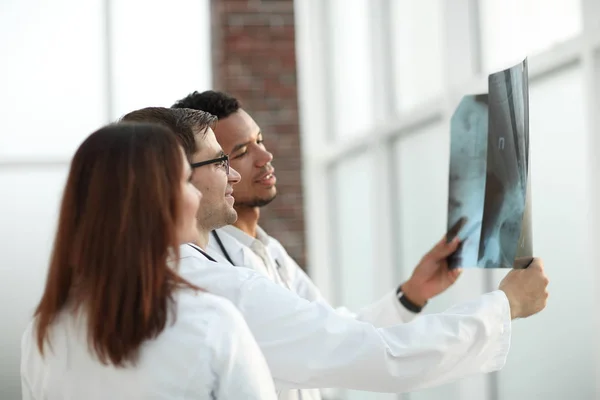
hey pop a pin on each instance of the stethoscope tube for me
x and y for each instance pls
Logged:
(203, 253)
(222, 247)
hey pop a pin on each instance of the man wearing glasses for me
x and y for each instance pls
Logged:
(209, 164)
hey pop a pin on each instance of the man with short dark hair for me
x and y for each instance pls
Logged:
(242, 139)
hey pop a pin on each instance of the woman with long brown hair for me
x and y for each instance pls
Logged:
(116, 320)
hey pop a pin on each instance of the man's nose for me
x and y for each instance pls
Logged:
(264, 158)
(234, 176)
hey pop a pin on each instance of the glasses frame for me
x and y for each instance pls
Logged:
(213, 161)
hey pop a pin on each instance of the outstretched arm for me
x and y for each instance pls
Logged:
(309, 345)
(429, 278)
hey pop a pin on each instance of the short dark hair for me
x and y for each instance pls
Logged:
(184, 122)
(219, 104)
(127, 296)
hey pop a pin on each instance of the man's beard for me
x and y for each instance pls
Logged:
(256, 202)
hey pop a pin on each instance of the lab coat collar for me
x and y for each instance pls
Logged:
(262, 235)
(237, 250)
(238, 235)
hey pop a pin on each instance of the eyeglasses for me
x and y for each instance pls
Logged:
(223, 161)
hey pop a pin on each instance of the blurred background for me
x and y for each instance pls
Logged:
(354, 98)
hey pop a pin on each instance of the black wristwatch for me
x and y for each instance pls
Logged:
(405, 301)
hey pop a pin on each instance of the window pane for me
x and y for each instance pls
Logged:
(422, 177)
(52, 77)
(351, 66)
(157, 64)
(417, 50)
(354, 242)
(513, 29)
(353, 235)
(560, 182)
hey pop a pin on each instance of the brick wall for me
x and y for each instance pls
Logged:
(254, 60)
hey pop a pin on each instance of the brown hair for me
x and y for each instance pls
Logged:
(116, 233)
(184, 122)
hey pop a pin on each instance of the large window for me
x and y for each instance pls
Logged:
(68, 67)
(385, 204)
(560, 177)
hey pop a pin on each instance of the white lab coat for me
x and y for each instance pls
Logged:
(385, 312)
(309, 345)
(208, 353)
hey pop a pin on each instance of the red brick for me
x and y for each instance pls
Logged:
(254, 59)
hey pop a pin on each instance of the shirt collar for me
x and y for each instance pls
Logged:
(262, 235)
(246, 239)
(239, 235)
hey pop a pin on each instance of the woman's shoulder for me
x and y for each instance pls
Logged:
(213, 305)
(218, 316)
(235, 359)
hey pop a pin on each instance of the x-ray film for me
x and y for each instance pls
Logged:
(489, 191)
(468, 165)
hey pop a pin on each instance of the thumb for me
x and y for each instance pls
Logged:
(443, 249)
(454, 274)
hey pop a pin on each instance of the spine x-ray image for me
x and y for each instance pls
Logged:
(489, 174)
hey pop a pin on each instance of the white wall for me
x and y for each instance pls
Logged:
(66, 70)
